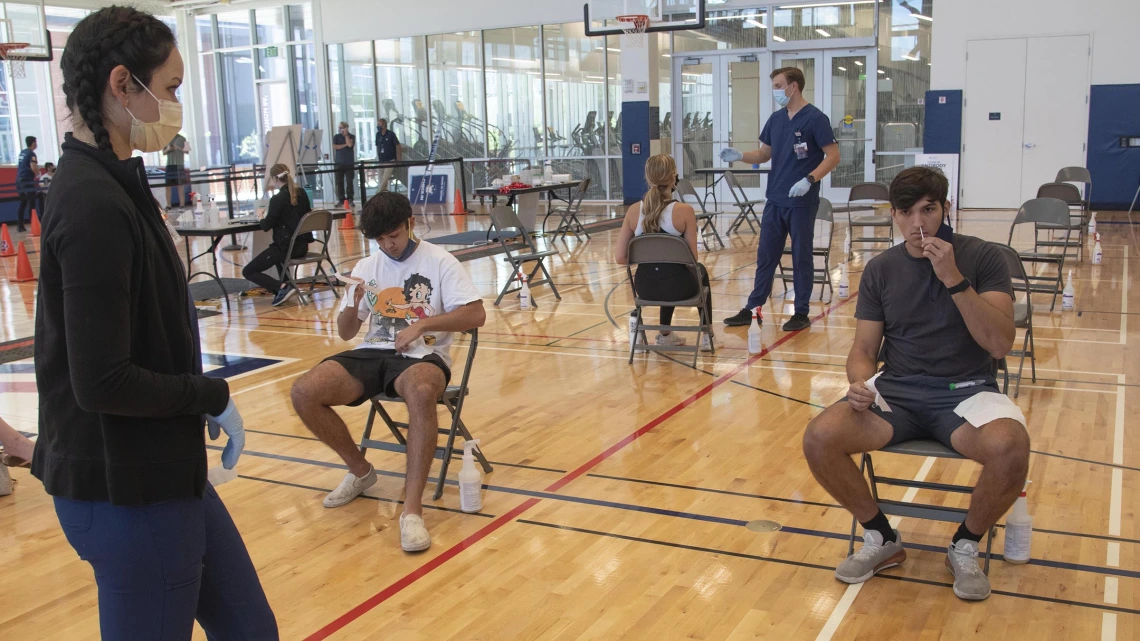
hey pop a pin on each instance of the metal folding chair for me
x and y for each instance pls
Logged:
(1072, 197)
(705, 218)
(1049, 211)
(1022, 315)
(821, 248)
(568, 222)
(503, 221)
(452, 399)
(867, 195)
(318, 220)
(747, 207)
(658, 249)
(1077, 175)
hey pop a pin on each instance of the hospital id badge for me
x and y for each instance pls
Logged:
(801, 149)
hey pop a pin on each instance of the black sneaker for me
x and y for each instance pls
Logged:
(743, 319)
(797, 322)
(283, 295)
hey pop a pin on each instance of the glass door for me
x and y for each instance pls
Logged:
(699, 106)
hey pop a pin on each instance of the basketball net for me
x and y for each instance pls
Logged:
(634, 26)
(15, 54)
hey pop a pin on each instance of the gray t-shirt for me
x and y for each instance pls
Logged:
(177, 155)
(923, 331)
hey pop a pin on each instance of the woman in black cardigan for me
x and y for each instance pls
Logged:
(123, 401)
(286, 209)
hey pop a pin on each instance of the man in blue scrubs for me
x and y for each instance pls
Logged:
(801, 145)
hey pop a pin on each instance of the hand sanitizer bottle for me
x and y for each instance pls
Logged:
(754, 333)
(524, 294)
(1018, 530)
(1069, 294)
(470, 481)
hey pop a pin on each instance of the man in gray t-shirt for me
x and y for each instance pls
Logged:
(939, 307)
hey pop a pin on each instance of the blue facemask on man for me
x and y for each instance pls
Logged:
(781, 97)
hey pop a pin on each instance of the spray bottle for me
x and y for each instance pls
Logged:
(1092, 224)
(1069, 294)
(1098, 251)
(470, 480)
(844, 284)
(847, 241)
(548, 172)
(754, 333)
(524, 294)
(632, 328)
(1018, 530)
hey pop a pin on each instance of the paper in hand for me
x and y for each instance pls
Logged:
(878, 397)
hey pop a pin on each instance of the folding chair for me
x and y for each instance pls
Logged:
(1072, 197)
(705, 218)
(821, 241)
(1049, 211)
(868, 195)
(747, 207)
(663, 248)
(318, 220)
(452, 399)
(568, 216)
(503, 219)
(1022, 316)
(1077, 175)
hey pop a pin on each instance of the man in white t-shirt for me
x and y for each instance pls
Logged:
(414, 297)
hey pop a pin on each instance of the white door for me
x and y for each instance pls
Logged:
(994, 124)
(1056, 109)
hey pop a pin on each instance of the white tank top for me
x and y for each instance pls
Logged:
(666, 222)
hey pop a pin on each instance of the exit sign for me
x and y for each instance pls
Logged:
(271, 52)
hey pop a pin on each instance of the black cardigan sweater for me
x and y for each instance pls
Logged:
(121, 394)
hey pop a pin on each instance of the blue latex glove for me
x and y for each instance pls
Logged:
(800, 188)
(229, 421)
(731, 155)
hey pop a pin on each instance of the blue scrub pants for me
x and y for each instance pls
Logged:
(775, 226)
(162, 566)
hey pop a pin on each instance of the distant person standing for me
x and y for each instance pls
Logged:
(387, 150)
(26, 185)
(344, 157)
(176, 171)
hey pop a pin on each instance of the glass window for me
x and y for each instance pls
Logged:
(305, 61)
(575, 95)
(838, 20)
(205, 29)
(401, 76)
(609, 126)
(9, 152)
(665, 92)
(233, 29)
(240, 107)
(270, 25)
(272, 62)
(903, 80)
(726, 29)
(300, 21)
(514, 92)
(455, 62)
(212, 155)
(360, 87)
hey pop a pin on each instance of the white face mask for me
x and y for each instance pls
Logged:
(781, 97)
(153, 136)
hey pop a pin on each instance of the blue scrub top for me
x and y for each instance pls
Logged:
(24, 174)
(797, 149)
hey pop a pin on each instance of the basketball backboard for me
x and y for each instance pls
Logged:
(664, 15)
(25, 22)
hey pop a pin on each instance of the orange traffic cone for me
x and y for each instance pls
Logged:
(23, 266)
(348, 222)
(457, 207)
(6, 246)
(35, 223)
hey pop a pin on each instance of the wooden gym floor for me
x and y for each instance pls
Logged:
(618, 504)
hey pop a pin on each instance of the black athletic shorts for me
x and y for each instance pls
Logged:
(378, 369)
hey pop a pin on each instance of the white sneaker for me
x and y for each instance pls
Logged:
(706, 343)
(350, 487)
(414, 536)
(672, 339)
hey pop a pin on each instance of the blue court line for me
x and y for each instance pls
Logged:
(374, 498)
(1079, 567)
(18, 368)
(233, 366)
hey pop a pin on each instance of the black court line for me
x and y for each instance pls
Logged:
(1090, 311)
(816, 566)
(426, 506)
(586, 329)
(714, 491)
(751, 387)
(310, 438)
(1085, 460)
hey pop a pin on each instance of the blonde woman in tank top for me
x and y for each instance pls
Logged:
(657, 213)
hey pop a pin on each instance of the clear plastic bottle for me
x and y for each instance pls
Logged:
(1018, 530)
(1068, 296)
(524, 294)
(844, 284)
(632, 328)
(470, 481)
(754, 346)
(1098, 251)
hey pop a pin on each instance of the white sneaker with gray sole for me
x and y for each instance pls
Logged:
(414, 536)
(350, 487)
(970, 583)
(875, 556)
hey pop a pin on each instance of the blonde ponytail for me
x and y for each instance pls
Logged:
(659, 173)
(281, 172)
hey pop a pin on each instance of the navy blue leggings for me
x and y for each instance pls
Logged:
(160, 567)
(775, 226)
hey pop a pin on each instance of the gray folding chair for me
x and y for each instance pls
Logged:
(1022, 315)
(864, 196)
(568, 222)
(504, 222)
(1048, 211)
(747, 207)
(1072, 197)
(318, 220)
(658, 249)
(705, 218)
(824, 234)
(1077, 175)
(452, 399)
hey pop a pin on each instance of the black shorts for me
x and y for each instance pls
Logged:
(922, 407)
(378, 369)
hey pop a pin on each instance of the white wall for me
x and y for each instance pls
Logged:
(354, 20)
(1111, 23)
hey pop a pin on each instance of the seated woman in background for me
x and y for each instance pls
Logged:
(659, 213)
(286, 209)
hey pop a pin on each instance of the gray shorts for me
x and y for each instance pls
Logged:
(922, 407)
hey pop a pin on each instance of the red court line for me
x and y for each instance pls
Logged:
(19, 386)
(30, 341)
(383, 595)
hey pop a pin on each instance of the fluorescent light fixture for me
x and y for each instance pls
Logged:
(692, 75)
(612, 50)
(859, 64)
(596, 77)
(756, 23)
(842, 68)
(882, 72)
(907, 56)
(825, 4)
(517, 60)
(823, 33)
(667, 55)
(593, 82)
(778, 38)
(922, 17)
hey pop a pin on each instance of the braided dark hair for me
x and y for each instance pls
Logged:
(100, 42)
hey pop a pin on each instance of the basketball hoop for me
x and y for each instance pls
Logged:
(15, 54)
(634, 26)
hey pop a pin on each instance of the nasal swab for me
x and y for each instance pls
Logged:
(921, 233)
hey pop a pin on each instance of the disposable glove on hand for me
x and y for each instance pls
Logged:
(800, 188)
(229, 421)
(731, 155)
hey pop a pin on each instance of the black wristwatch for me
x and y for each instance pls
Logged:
(960, 287)
(811, 179)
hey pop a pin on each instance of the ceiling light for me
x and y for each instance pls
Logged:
(755, 23)
(842, 68)
(859, 64)
(922, 17)
(882, 72)
(823, 33)
(517, 61)
(612, 50)
(778, 39)
(829, 4)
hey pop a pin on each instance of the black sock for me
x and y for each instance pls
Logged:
(965, 533)
(882, 526)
